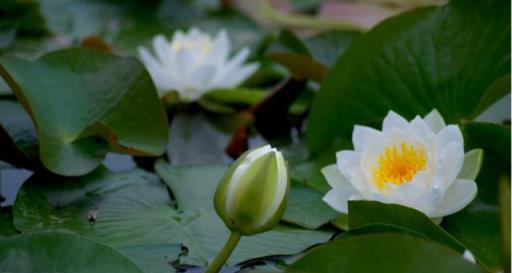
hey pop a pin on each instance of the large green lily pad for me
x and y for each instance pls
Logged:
(54, 252)
(133, 210)
(194, 188)
(364, 213)
(85, 103)
(383, 253)
(444, 58)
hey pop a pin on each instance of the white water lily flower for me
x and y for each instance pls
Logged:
(418, 164)
(194, 63)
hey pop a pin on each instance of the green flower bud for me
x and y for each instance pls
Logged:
(251, 197)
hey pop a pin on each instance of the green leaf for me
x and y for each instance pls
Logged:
(53, 252)
(6, 225)
(302, 66)
(84, 103)
(22, 19)
(362, 213)
(287, 41)
(133, 210)
(194, 188)
(443, 58)
(472, 164)
(236, 95)
(290, 51)
(306, 208)
(491, 137)
(478, 225)
(504, 202)
(195, 140)
(496, 91)
(478, 228)
(382, 253)
(156, 258)
(117, 209)
(305, 168)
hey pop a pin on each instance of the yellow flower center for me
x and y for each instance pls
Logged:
(203, 46)
(398, 165)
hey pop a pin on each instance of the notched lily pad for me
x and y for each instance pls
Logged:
(55, 252)
(85, 103)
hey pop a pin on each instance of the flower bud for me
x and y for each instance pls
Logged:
(251, 197)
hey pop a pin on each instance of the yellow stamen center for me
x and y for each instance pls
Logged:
(398, 165)
(203, 46)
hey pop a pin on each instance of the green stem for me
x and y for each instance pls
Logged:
(304, 21)
(224, 254)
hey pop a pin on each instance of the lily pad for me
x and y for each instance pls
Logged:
(478, 225)
(6, 226)
(306, 208)
(383, 253)
(84, 103)
(133, 210)
(413, 63)
(54, 252)
(363, 213)
(117, 209)
(194, 188)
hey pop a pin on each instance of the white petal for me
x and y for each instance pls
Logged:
(448, 134)
(349, 164)
(362, 135)
(420, 128)
(184, 62)
(238, 59)
(202, 76)
(162, 49)
(457, 196)
(163, 80)
(337, 198)
(193, 33)
(334, 177)
(394, 120)
(238, 76)
(435, 121)
(448, 165)
(149, 61)
(413, 194)
(178, 36)
(472, 164)
(221, 47)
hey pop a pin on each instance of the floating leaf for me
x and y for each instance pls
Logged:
(382, 253)
(206, 233)
(306, 208)
(478, 225)
(127, 211)
(6, 226)
(53, 252)
(133, 210)
(362, 213)
(85, 103)
(412, 64)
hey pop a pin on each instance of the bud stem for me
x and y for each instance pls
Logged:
(220, 260)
